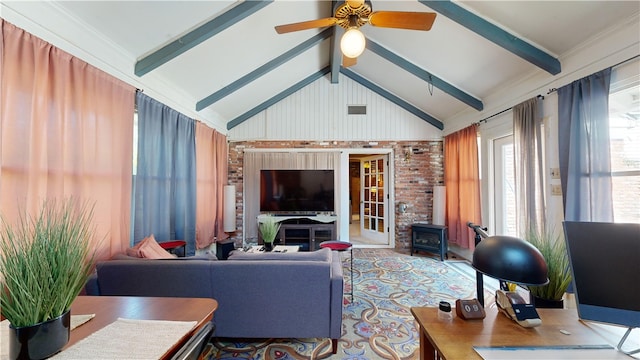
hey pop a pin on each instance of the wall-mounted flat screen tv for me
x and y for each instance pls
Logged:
(297, 191)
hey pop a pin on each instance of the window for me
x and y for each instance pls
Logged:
(624, 132)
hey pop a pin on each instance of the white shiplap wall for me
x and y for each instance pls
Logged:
(318, 112)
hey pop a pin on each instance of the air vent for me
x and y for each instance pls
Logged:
(357, 109)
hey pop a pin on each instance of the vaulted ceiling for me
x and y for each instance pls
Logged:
(224, 62)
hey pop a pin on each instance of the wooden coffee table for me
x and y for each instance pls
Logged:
(255, 249)
(108, 309)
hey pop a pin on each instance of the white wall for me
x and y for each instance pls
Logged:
(318, 112)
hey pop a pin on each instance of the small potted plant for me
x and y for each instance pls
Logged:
(554, 251)
(45, 261)
(269, 228)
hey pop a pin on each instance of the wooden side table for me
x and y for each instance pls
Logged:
(171, 246)
(337, 245)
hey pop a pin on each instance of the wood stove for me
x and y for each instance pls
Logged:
(431, 238)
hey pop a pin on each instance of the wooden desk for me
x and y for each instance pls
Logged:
(455, 339)
(109, 308)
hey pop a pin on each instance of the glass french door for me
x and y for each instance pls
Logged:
(504, 184)
(374, 199)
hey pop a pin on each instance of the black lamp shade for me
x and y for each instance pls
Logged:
(511, 259)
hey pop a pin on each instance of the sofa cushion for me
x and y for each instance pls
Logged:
(318, 255)
(207, 256)
(150, 249)
(163, 277)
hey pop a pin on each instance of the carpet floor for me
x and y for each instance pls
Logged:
(378, 323)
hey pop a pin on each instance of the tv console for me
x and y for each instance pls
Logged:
(323, 218)
(306, 231)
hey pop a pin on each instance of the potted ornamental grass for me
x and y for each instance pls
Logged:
(269, 228)
(45, 261)
(553, 249)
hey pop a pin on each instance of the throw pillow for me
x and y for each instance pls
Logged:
(152, 250)
(149, 248)
(135, 251)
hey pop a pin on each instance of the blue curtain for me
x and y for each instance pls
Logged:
(585, 161)
(165, 182)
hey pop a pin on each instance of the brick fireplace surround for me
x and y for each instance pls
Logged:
(415, 176)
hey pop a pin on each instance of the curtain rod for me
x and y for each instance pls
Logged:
(552, 90)
(501, 112)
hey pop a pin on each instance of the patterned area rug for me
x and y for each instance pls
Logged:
(378, 324)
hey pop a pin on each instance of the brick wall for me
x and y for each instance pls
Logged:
(418, 167)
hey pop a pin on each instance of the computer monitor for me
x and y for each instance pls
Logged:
(605, 263)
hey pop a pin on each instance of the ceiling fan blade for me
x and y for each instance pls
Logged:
(347, 61)
(403, 19)
(304, 25)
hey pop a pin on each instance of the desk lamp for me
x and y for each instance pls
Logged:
(509, 259)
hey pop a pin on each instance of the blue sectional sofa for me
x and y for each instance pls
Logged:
(271, 295)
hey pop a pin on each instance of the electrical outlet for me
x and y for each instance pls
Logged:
(555, 173)
(556, 190)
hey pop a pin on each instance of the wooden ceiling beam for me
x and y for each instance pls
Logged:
(197, 36)
(336, 54)
(262, 70)
(425, 75)
(277, 98)
(496, 35)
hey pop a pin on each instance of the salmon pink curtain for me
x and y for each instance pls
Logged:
(462, 181)
(211, 177)
(66, 130)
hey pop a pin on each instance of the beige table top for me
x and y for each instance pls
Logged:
(107, 309)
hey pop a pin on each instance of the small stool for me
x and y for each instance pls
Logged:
(172, 245)
(337, 245)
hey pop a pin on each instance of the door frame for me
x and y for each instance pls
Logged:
(375, 235)
(344, 193)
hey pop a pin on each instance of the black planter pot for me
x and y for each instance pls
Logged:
(547, 304)
(268, 246)
(39, 341)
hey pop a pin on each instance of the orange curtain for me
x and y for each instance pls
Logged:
(462, 181)
(66, 130)
(211, 177)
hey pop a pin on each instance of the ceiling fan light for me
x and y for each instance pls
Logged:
(352, 43)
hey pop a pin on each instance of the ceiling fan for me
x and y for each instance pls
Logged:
(355, 13)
